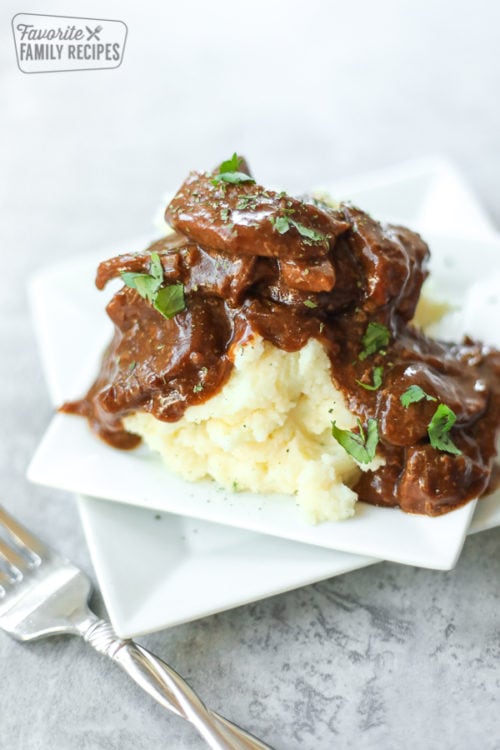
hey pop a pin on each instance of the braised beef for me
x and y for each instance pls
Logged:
(253, 260)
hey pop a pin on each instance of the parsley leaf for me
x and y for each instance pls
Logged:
(413, 395)
(130, 279)
(229, 172)
(439, 430)
(280, 224)
(170, 300)
(234, 177)
(232, 164)
(310, 234)
(146, 284)
(360, 446)
(156, 268)
(377, 380)
(376, 337)
(247, 201)
(310, 303)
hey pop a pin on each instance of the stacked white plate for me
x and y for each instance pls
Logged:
(166, 551)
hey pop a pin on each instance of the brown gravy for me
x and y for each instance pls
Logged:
(253, 260)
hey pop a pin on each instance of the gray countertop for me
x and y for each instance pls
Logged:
(388, 656)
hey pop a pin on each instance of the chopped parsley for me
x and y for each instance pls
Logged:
(361, 446)
(198, 387)
(235, 178)
(309, 234)
(248, 201)
(441, 423)
(282, 224)
(413, 395)
(309, 303)
(439, 430)
(375, 338)
(168, 300)
(377, 380)
(156, 268)
(229, 172)
(146, 284)
(232, 164)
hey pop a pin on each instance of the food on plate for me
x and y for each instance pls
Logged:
(267, 343)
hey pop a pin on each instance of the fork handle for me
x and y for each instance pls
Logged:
(167, 687)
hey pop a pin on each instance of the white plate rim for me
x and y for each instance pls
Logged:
(445, 171)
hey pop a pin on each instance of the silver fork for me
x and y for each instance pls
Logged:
(42, 594)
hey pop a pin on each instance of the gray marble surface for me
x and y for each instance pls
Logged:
(386, 657)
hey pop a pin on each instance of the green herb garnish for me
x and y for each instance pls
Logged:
(310, 303)
(439, 430)
(233, 177)
(247, 201)
(229, 172)
(413, 395)
(147, 284)
(377, 380)
(168, 300)
(232, 164)
(360, 446)
(310, 234)
(282, 224)
(375, 338)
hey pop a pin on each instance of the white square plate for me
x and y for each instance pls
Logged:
(71, 458)
(420, 191)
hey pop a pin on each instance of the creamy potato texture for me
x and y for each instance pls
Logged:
(245, 258)
(268, 430)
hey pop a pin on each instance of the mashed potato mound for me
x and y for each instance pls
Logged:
(268, 430)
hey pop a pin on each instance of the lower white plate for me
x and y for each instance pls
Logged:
(203, 567)
(161, 569)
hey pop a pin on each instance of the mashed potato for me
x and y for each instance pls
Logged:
(430, 308)
(268, 430)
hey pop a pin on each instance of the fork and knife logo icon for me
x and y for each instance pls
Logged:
(93, 34)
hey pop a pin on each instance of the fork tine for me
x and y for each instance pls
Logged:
(22, 535)
(12, 557)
